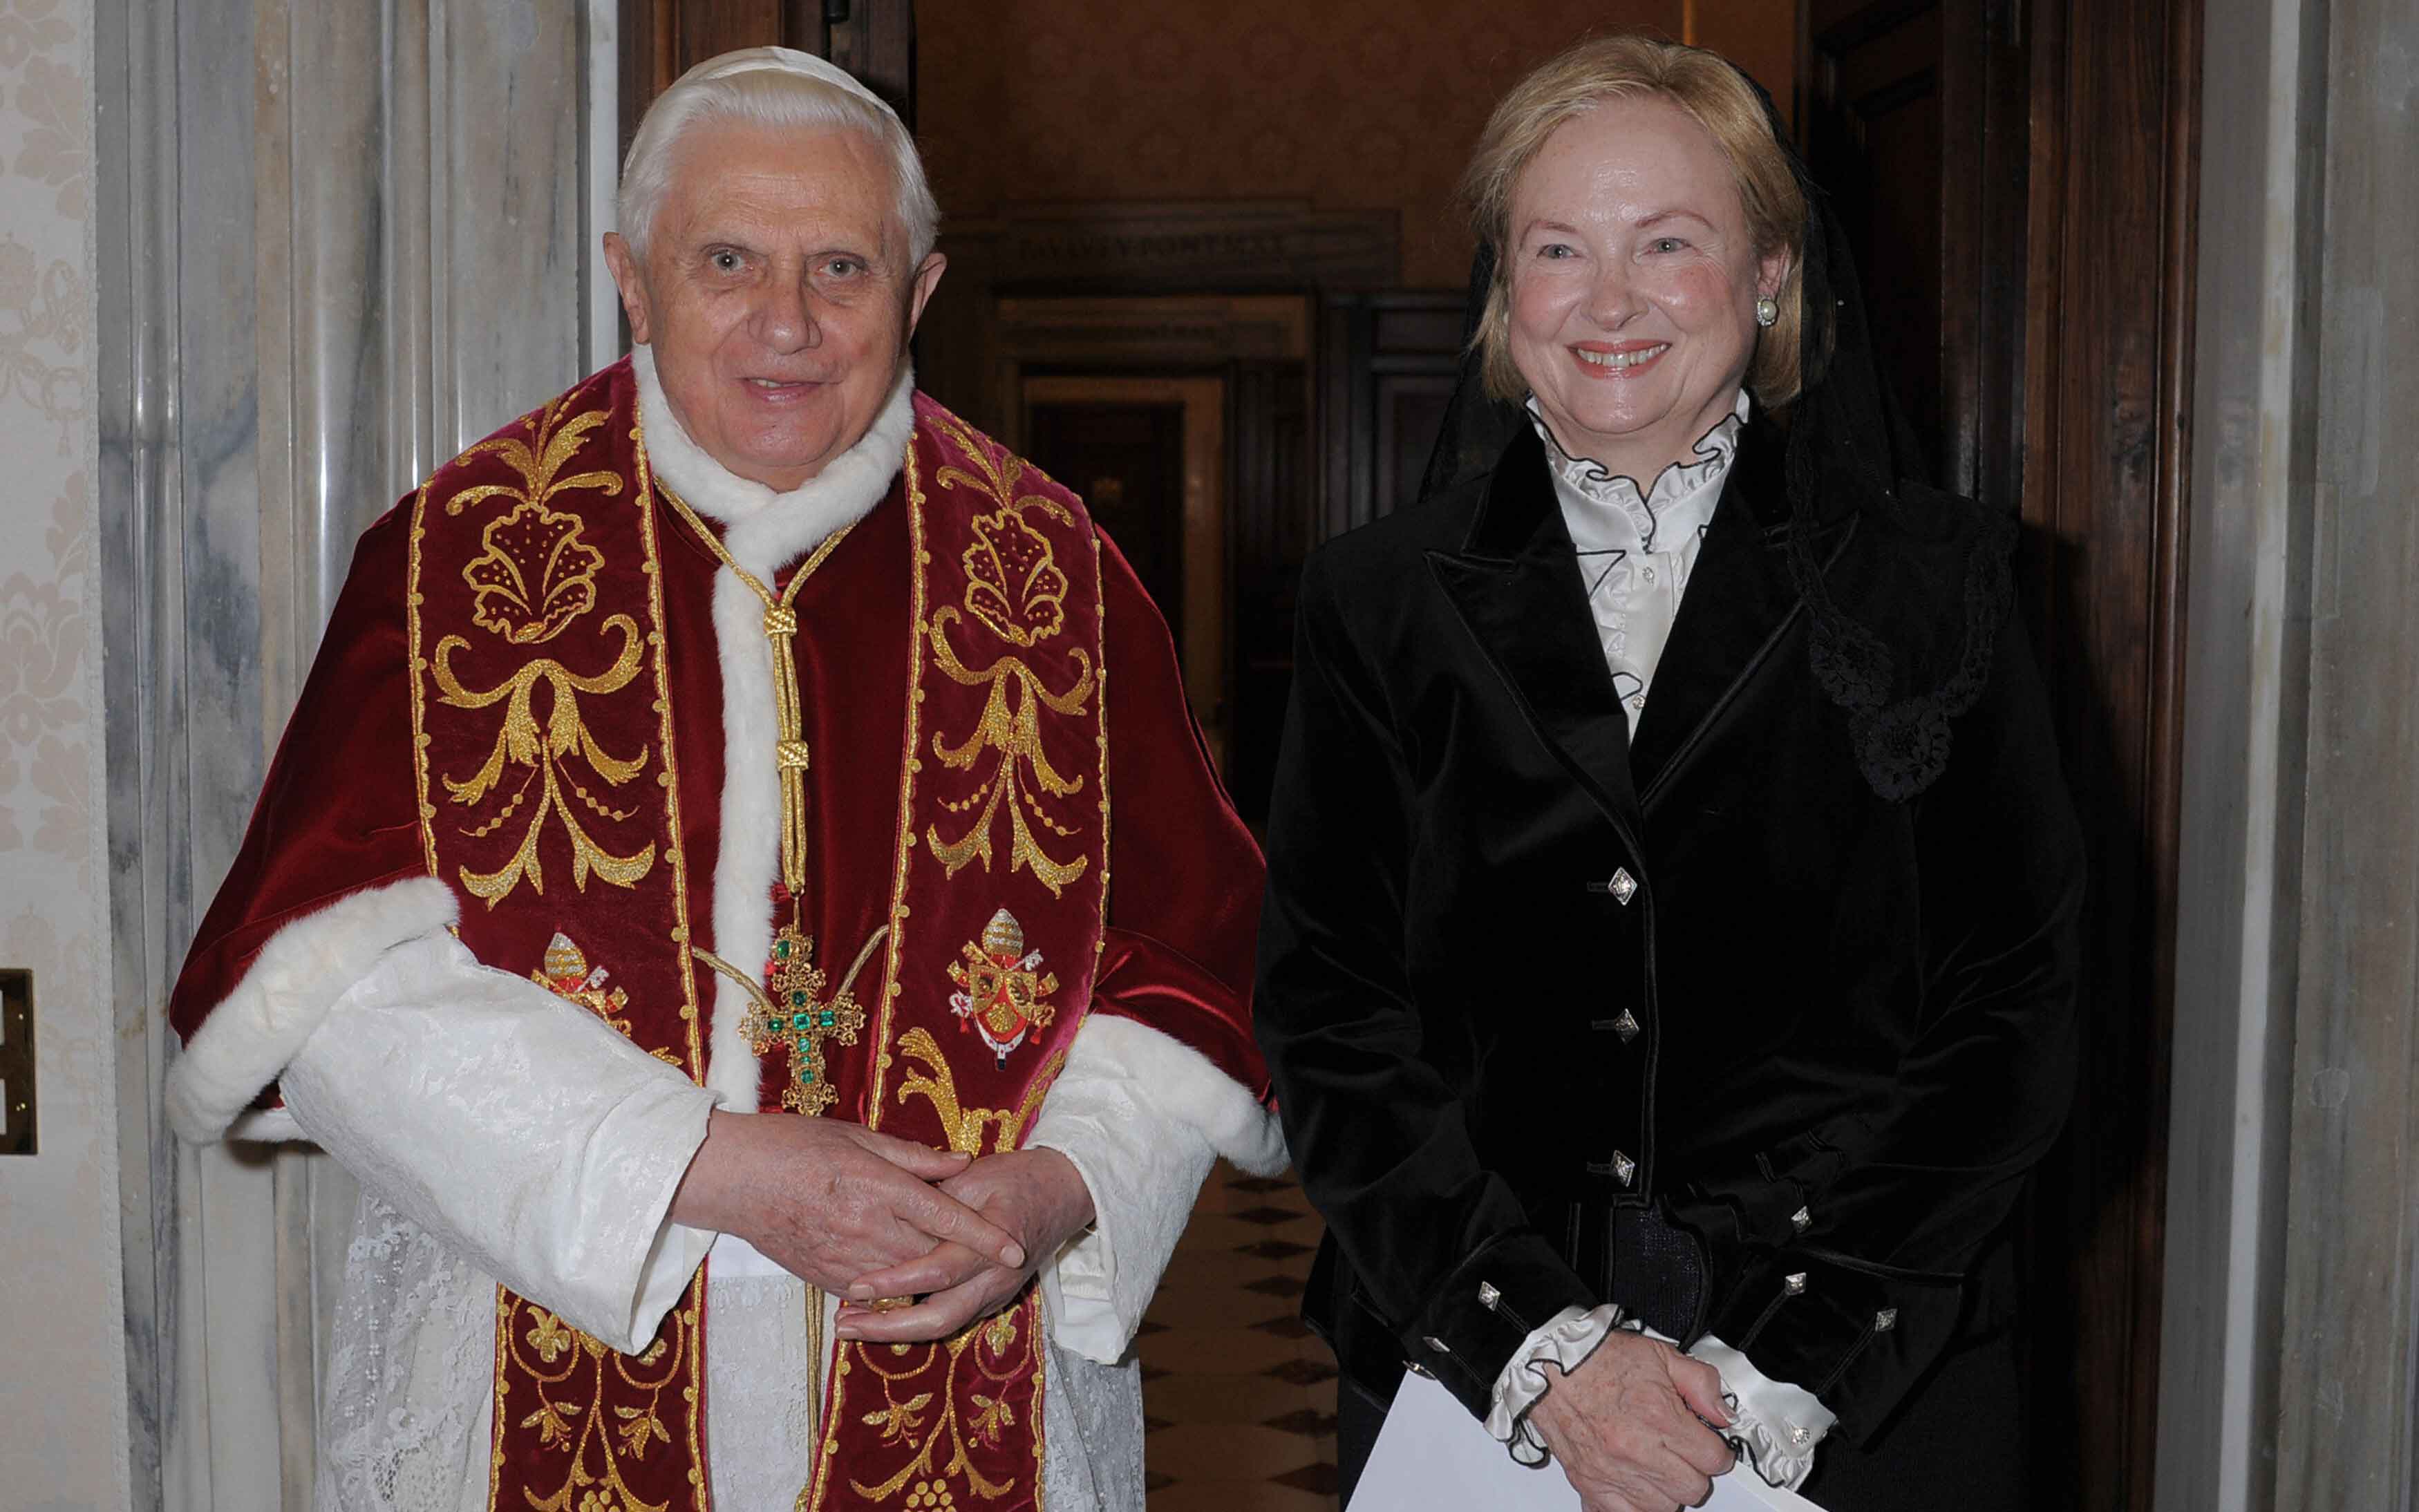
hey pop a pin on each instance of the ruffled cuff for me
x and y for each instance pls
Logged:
(1566, 1340)
(1779, 1425)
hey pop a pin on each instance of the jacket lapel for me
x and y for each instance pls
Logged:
(1740, 605)
(1516, 585)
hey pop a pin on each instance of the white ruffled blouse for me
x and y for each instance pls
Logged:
(1637, 546)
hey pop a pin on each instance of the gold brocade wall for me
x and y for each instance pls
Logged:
(1349, 105)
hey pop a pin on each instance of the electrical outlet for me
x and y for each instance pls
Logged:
(16, 1120)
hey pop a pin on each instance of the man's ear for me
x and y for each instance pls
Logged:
(632, 283)
(928, 278)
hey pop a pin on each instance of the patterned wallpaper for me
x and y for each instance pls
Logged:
(63, 1392)
(1347, 103)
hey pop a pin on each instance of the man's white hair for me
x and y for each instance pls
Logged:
(784, 89)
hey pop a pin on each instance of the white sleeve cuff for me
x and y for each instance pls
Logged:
(1566, 1341)
(1142, 1118)
(1780, 1426)
(517, 1127)
(285, 995)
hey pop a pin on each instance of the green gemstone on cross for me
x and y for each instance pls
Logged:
(798, 999)
(805, 1075)
(801, 1023)
(780, 949)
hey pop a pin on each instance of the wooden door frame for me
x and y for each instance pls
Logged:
(2108, 393)
(1205, 613)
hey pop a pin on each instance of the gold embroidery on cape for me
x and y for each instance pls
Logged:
(532, 1341)
(926, 1479)
(962, 1125)
(1014, 583)
(536, 577)
(541, 459)
(1011, 725)
(669, 777)
(426, 809)
(998, 477)
(1016, 589)
(522, 743)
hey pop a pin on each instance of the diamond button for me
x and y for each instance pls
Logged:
(1623, 1168)
(1794, 1283)
(1488, 1296)
(1626, 1026)
(1801, 1220)
(1886, 1320)
(1624, 885)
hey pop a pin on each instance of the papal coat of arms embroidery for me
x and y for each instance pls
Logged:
(1001, 993)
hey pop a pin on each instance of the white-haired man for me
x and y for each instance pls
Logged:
(684, 898)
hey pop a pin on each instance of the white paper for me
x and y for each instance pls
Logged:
(1433, 1456)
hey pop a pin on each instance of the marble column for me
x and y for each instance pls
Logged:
(2292, 1302)
(2239, 913)
(2346, 1393)
(343, 240)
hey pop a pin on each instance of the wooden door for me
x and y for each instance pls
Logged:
(1916, 123)
(2017, 181)
(662, 39)
(1147, 453)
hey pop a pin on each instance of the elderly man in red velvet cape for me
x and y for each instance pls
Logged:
(743, 892)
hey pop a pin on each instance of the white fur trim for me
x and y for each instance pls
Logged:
(764, 532)
(1179, 1083)
(253, 1031)
(769, 528)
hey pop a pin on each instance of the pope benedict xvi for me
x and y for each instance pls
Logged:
(741, 891)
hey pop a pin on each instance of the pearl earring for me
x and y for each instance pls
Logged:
(1766, 312)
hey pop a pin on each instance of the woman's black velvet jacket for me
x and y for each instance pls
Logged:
(1520, 973)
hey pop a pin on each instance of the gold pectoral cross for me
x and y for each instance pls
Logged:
(796, 1014)
(791, 1009)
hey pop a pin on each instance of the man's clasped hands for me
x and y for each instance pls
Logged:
(867, 1217)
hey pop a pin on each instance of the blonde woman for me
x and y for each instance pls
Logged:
(1668, 968)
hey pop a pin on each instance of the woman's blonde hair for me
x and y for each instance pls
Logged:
(1713, 92)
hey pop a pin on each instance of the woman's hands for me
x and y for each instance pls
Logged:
(1034, 1196)
(1628, 1426)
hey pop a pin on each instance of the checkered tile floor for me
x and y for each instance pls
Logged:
(1239, 1397)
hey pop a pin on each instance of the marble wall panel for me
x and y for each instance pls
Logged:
(341, 240)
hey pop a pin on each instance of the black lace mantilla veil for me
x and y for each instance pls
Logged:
(1848, 449)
